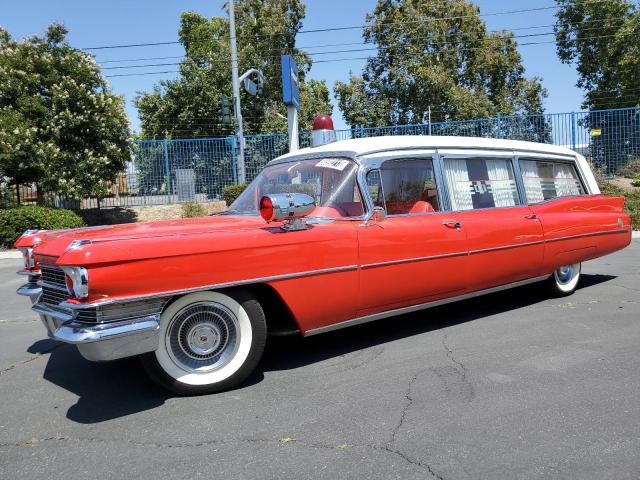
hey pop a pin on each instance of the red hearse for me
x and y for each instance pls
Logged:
(356, 230)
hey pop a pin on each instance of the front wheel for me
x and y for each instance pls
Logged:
(209, 342)
(565, 279)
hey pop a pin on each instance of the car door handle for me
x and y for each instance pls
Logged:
(531, 216)
(453, 224)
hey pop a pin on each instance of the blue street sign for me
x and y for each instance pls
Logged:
(290, 83)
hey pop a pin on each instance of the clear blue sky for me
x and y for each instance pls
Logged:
(142, 21)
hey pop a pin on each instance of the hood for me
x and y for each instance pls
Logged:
(55, 242)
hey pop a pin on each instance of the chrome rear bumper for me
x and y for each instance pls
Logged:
(102, 341)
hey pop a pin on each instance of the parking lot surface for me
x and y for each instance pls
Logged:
(511, 385)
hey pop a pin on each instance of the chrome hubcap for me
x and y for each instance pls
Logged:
(565, 274)
(203, 337)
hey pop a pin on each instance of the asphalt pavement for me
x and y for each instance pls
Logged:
(512, 385)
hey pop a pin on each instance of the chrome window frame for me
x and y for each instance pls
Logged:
(551, 159)
(403, 154)
(474, 152)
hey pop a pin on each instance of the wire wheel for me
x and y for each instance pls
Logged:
(202, 337)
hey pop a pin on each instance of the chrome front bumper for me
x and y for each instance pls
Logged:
(102, 341)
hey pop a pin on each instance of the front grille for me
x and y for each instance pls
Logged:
(52, 296)
(87, 315)
(54, 276)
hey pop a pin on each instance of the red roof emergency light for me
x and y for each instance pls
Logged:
(323, 131)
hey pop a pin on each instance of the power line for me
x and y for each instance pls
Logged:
(333, 59)
(335, 29)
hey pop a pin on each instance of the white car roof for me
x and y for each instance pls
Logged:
(362, 146)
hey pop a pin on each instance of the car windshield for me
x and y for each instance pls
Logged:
(330, 181)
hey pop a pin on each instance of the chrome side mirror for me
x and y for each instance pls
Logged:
(377, 215)
(290, 208)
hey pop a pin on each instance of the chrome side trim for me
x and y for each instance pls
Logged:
(412, 260)
(582, 235)
(506, 247)
(237, 283)
(492, 249)
(421, 306)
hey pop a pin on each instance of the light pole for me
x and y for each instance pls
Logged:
(236, 90)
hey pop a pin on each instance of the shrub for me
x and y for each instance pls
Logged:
(14, 221)
(231, 192)
(631, 169)
(636, 181)
(631, 201)
(190, 210)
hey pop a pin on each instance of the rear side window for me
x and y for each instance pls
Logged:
(476, 183)
(545, 180)
(404, 186)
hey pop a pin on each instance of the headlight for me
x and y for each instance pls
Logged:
(27, 256)
(77, 281)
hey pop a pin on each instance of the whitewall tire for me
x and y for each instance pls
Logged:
(565, 279)
(208, 342)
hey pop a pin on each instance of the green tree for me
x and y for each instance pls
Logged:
(600, 38)
(60, 125)
(190, 105)
(438, 54)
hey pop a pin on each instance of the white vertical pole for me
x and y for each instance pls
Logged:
(236, 89)
(429, 119)
(292, 117)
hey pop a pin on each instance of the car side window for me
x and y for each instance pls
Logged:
(476, 183)
(545, 180)
(404, 186)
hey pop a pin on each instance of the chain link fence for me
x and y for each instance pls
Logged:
(197, 170)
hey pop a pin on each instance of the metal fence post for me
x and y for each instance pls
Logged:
(573, 130)
(499, 123)
(167, 171)
(232, 140)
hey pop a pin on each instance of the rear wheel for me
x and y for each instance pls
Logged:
(565, 279)
(209, 342)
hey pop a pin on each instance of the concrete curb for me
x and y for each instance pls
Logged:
(10, 254)
(635, 234)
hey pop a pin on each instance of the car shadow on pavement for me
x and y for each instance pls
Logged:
(116, 389)
(286, 353)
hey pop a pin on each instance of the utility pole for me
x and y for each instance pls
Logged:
(429, 119)
(236, 90)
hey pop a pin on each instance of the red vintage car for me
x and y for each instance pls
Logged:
(324, 238)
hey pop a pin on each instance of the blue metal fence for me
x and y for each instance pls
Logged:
(170, 171)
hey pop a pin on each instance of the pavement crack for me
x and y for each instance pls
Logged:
(405, 409)
(412, 461)
(30, 359)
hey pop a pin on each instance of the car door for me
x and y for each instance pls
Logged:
(504, 237)
(415, 254)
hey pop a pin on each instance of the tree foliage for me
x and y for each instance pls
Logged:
(60, 125)
(600, 38)
(438, 54)
(190, 105)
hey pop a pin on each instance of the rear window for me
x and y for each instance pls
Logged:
(546, 180)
